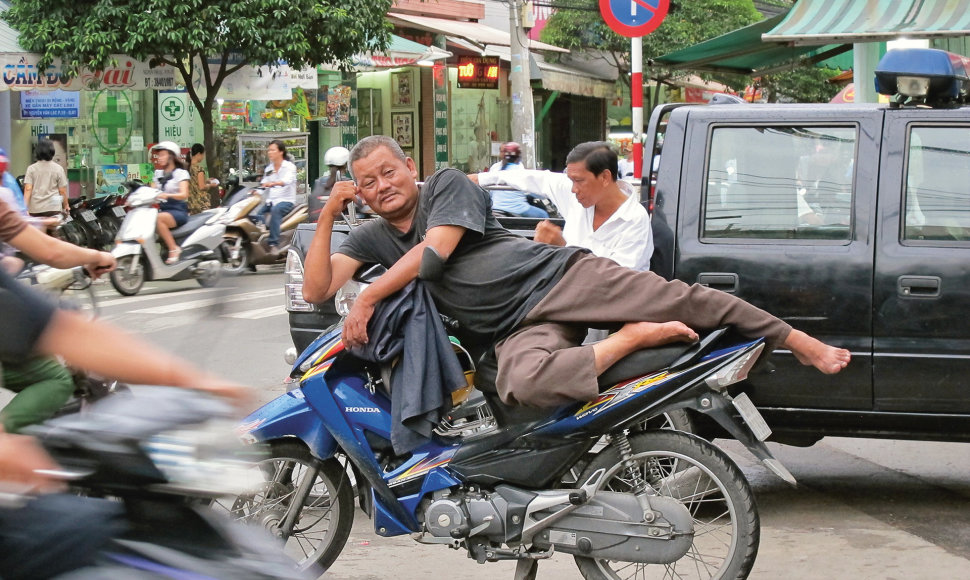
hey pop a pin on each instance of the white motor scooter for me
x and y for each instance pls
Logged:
(138, 252)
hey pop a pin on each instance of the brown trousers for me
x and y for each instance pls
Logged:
(542, 364)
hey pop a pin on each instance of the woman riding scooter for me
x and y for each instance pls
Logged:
(173, 180)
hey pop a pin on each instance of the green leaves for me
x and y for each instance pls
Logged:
(301, 32)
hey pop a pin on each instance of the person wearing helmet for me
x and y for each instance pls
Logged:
(513, 201)
(336, 160)
(511, 154)
(45, 184)
(173, 179)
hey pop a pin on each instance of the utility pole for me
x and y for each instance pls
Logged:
(523, 114)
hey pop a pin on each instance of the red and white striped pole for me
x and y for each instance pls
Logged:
(636, 99)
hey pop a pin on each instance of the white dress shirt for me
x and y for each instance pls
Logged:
(286, 174)
(625, 238)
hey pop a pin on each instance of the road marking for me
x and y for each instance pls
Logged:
(257, 313)
(193, 304)
(123, 300)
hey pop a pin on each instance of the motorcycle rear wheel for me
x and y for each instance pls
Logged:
(236, 266)
(714, 490)
(126, 282)
(326, 517)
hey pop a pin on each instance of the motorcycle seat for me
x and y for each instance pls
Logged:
(642, 362)
(194, 223)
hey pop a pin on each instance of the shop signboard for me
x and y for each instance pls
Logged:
(440, 74)
(176, 118)
(50, 105)
(21, 73)
(478, 72)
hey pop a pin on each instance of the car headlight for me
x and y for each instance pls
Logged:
(344, 299)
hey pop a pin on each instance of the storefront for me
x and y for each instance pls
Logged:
(101, 136)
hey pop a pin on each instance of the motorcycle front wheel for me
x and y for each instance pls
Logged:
(126, 281)
(708, 483)
(323, 519)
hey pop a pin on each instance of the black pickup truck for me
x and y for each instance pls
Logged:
(851, 222)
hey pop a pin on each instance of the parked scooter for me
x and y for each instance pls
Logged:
(110, 211)
(246, 238)
(138, 251)
(495, 480)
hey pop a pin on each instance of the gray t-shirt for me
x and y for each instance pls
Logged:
(492, 279)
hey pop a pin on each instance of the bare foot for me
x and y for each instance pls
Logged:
(649, 334)
(813, 352)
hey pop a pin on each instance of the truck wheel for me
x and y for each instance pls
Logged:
(125, 281)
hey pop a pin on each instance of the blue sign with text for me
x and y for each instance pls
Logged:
(50, 104)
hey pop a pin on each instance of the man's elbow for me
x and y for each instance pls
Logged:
(312, 295)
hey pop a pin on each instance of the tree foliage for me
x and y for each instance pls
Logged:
(578, 25)
(229, 34)
(804, 84)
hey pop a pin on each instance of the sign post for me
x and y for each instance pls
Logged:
(635, 19)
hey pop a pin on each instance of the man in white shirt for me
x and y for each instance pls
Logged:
(601, 213)
(279, 178)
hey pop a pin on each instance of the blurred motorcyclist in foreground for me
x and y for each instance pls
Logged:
(53, 534)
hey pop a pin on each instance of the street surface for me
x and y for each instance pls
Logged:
(865, 509)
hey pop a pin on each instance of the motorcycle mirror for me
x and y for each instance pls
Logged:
(432, 265)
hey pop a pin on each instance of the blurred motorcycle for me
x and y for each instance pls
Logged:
(158, 452)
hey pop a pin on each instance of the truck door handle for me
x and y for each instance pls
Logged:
(918, 286)
(723, 281)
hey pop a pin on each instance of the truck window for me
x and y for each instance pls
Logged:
(780, 182)
(938, 184)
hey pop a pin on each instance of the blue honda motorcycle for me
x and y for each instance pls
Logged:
(504, 483)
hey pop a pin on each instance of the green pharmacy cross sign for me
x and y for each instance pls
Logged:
(172, 109)
(112, 117)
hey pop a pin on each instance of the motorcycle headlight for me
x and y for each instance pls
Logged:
(347, 295)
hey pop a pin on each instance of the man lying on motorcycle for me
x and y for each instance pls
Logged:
(533, 301)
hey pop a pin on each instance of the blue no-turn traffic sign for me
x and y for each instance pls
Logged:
(634, 17)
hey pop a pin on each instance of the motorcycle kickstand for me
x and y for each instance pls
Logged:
(526, 569)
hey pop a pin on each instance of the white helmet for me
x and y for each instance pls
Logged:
(169, 146)
(336, 156)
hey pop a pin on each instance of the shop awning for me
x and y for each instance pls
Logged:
(400, 52)
(477, 34)
(743, 51)
(821, 22)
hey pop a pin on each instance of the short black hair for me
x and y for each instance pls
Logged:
(599, 156)
(45, 150)
(367, 145)
(196, 149)
(279, 145)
